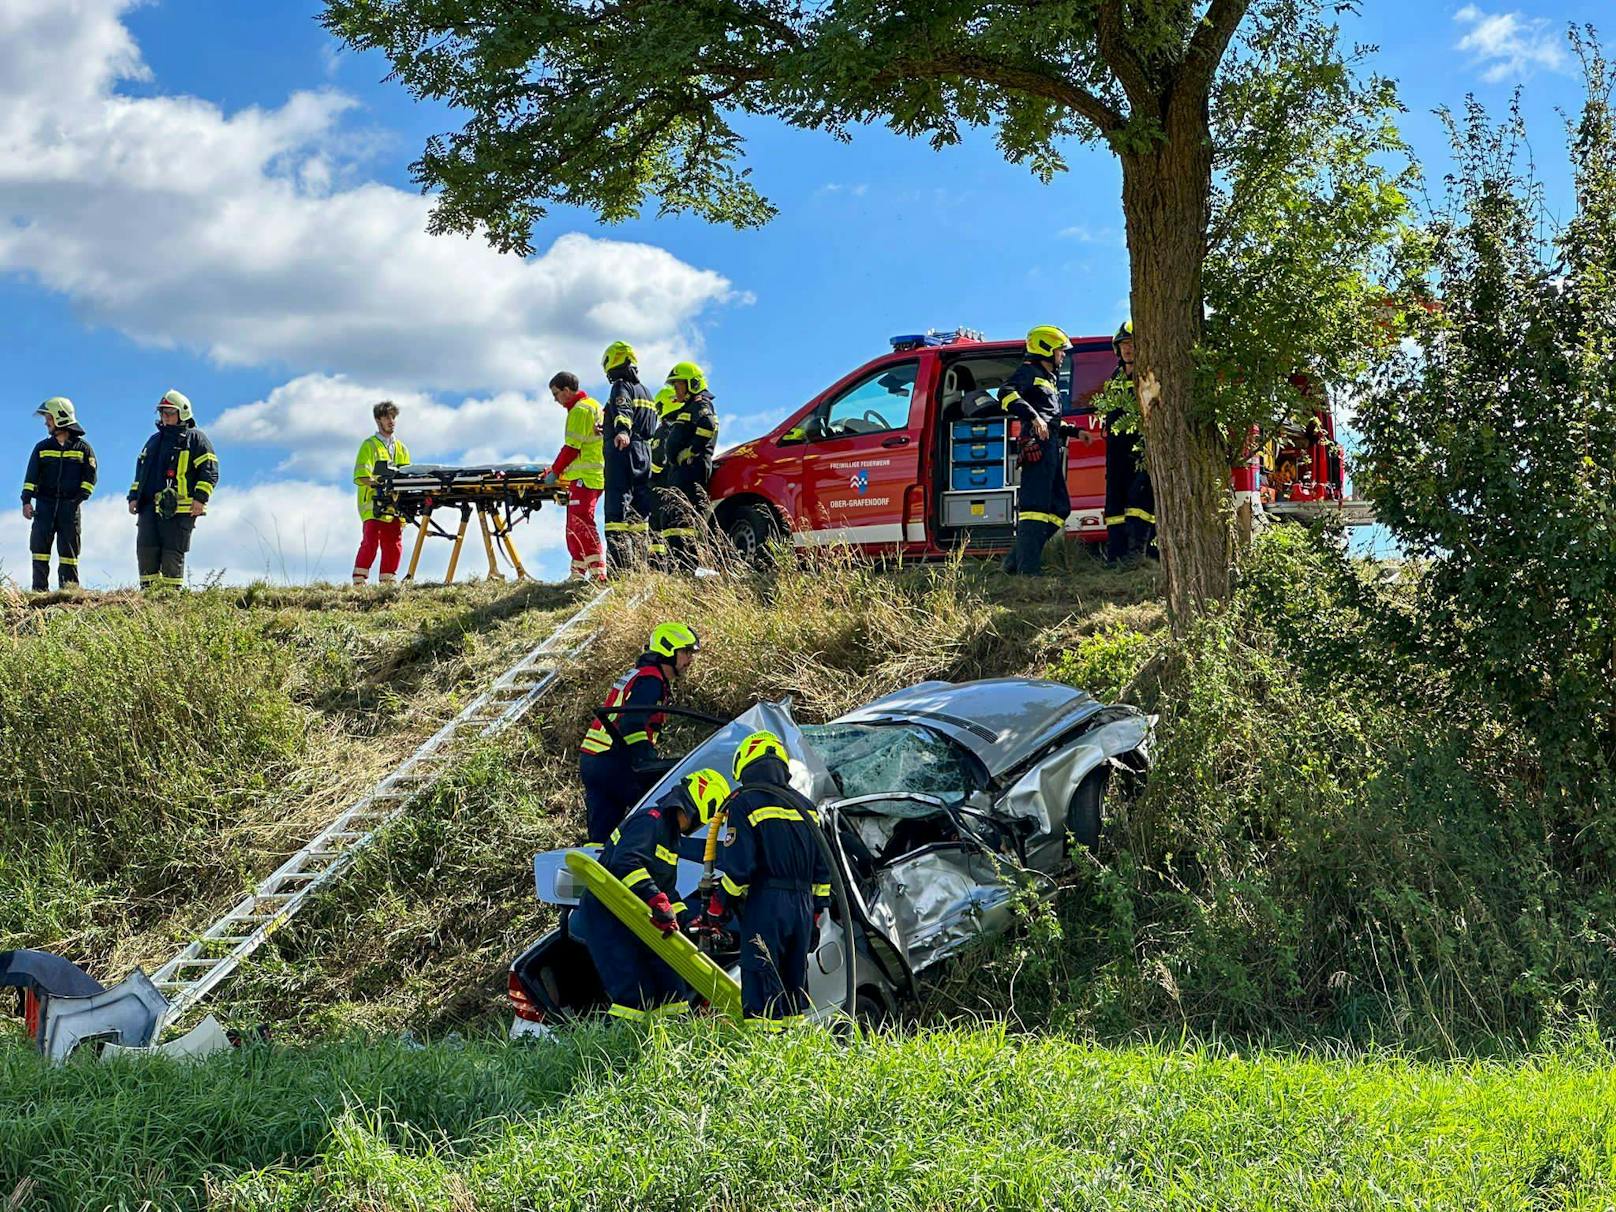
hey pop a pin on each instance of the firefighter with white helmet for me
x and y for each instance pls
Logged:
(60, 478)
(175, 476)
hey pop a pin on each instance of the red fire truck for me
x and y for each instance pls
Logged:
(908, 454)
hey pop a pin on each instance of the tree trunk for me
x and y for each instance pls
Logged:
(1166, 198)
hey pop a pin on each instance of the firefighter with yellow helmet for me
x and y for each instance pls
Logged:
(1130, 498)
(643, 852)
(616, 761)
(628, 424)
(773, 879)
(689, 435)
(60, 477)
(1032, 395)
(175, 476)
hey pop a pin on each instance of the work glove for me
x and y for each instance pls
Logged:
(662, 914)
(1031, 451)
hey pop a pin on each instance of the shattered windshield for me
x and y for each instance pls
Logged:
(869, 759)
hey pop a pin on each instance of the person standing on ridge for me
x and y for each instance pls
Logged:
(687, 453)
(175, 476)
(581, 466)
(1130, 499)
(629, 422)
(60, 478)
(382, 530)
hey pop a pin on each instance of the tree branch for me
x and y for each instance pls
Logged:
(1120, 57)
(1026, 80)
(1211, 40)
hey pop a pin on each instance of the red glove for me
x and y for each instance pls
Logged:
(1032, 450)
(716, 913)
(662, 914)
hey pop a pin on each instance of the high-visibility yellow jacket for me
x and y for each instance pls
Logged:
(370, 450)
(588, 466)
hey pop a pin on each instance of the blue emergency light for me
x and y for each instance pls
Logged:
(933, 336)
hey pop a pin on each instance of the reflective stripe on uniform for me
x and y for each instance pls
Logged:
(773, 813)
(45, 555)
(1033, 515)
(614, 527)
(731, 887)
(638, 876)
(1115, 519)
(678, 531)
(667, 856)
(1142, 515)
(821, 890)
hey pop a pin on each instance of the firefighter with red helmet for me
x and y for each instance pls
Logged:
(1130, 499)
(615, 760)
(1032, 395)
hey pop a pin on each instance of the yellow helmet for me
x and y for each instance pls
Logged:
(60, 410)
(690, 374)
(669, 639)
(666, 401)
(759, 745)
(618, 353)
(707, 790)
(1043, 341)
(1125, 333)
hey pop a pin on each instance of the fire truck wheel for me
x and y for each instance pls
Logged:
(751, 529)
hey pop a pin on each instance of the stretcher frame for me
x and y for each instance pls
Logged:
(499, 496)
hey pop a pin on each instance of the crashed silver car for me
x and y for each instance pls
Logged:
(941, 802)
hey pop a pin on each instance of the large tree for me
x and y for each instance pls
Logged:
(609, 104)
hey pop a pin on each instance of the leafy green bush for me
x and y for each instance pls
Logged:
(1104, 661)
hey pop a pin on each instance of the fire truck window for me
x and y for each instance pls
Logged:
(874, 405)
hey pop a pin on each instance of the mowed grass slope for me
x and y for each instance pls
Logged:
(714, 1118)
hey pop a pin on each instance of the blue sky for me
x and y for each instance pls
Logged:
(213, 196)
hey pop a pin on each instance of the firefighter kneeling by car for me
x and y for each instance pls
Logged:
(643, 852)
(773, 879)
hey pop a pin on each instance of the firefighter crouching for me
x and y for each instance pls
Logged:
(1032, 396)
(1130, 499)
(60, 478)
(643, 852)
(689, 434)
(773, 880)
(616, 772)
(629, 422)
(175, 476)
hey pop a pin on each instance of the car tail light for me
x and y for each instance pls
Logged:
(521, 1003)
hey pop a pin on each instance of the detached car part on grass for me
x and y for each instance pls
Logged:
(943, 803)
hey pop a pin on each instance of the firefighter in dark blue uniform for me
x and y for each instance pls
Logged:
(1130, 499)
(60, 477)
(690, 436)
(616, 772)
(772, 879)
(643, 852)
(1032, 396)
(627, 426)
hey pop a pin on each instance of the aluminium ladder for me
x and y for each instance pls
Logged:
(219, 950)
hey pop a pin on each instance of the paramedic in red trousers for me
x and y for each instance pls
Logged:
(382, 530)
(773, 880)
(175, 476)
(1032, 396)
(643, 852)
(617, 770)
(60, 478)
(630, 422)
(581, 467)
(1130, 499)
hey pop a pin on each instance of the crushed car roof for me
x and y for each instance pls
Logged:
(1003, 721)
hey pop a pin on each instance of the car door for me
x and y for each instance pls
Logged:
(861, 458)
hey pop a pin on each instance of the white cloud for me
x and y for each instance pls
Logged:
(321, 419)
(286, 531)
(1084, 234)
(248, 235)
(1511, 45)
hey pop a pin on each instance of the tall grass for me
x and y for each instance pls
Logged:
(713, 1118)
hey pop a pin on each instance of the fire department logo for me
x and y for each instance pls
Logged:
(859, 482)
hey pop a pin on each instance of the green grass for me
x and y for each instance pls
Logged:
(964, 1119)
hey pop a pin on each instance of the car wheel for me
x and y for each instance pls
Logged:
(1084, 815)
(873, 1009)
(752, 528)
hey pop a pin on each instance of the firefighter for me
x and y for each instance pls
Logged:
(175, 476)
(643, 852)
(381, 529)
(616, 770)
(1130, 501)
(581, 466)
(60, 478)
(1030, 394)
(773, 880)
(687, 455)
(629, 422)
(662, 503)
